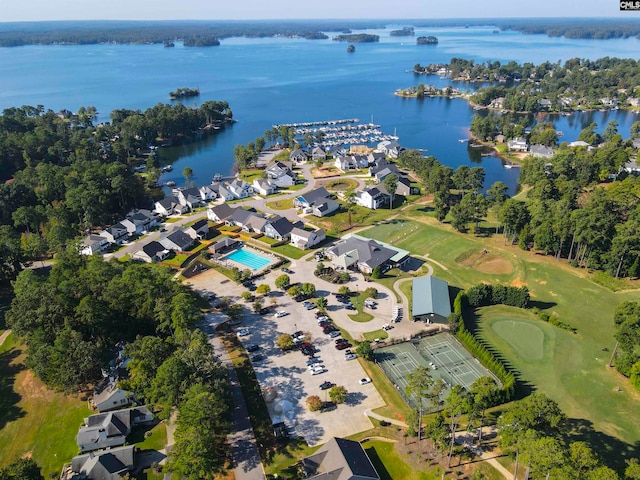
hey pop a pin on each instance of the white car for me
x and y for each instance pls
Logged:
(364, 381)
(243, 332)
(318, 371)
(334, 334)
(281, 314)
(350, 356)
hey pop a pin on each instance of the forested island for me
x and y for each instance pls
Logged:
(403, 32)
(62, 175)
(429, 40)
(184, 92)
(201, 41)
(357, 38)
(578, 84)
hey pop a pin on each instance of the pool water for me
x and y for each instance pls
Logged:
(249, 259)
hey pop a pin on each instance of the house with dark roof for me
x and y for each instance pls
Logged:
(115, 233)
(339, 459)
(360, 253)
(198, 230)
(318, 153)
(304, 239)
(255, 223)
(280, 228)
(298, 156)
(220, 213)
(317, 202)
(169, 206)
(151, 252)
(404, 187)
(390, 148)
(431, 301)
(177, 240)
(110, 429)
(372, 198)
(112, 464)
(190, 197)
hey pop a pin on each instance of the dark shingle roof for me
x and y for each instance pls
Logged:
(223, 211)
(180, 238)
(153, 248)
(315, 196)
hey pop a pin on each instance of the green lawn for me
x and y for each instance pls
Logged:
(33, 419)
(250, 175)
(573, 368)
(381, 334)
(290, 251)
(156, 441)
(360, 216)
(390, 465)
(284, 204)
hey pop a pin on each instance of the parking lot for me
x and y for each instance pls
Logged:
(285, 377)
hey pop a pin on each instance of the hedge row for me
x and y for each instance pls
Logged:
(479, 351)
(483, 295)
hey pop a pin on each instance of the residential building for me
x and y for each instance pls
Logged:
(298, 156)
(224, 245)
(431, 301)
(579, 143)
(385, 171)
(207, 193)
(304, 239)
(264, 186)
(93, 244)
(112, 464)
(404, 187)
(190, 197)
(225, 193)
(240, 188)
(169, 206)
(518, 144)
(199, 230)
(107, 396)
(372, 198)
(632, 167)
(115, 233)
(544, 103)
(110, 429)
(318, 153)
(220, 213)
(542, 151)
(339, 459)
(280, 174)
(177, 240)
(375, 157)
(345, 162)
(390, 148)
(317, 202)
(280, 228)
(151, 252)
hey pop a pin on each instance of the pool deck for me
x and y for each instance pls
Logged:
(242, 266)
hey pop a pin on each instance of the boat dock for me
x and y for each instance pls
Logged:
(340, 132)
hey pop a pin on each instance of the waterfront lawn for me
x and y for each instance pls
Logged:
(573, 369)
(33, 419)
(251, 174)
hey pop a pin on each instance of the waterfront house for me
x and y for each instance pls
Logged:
(177, 240)
(541, 151)
(372, 198)
(169, 206)
(145, 218)
(151, 252)
(112, 464)
(339, 459)
(497, 103)
(207, 193)
(318, 202)
(264, 186)
(518, 144)
(579, 143)
(240, 188)
(544, 103)
(190, 197)
(220, 213)
(500, 138)
(304, 239)
(115, 233)
(110, 429)
(298, 156)
(390, 148)
(632, 167)
(345, 162)
(93, 244)
(380, 173)
(199, 230)
(225, 193)
(280, 174)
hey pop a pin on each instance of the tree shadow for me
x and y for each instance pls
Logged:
(9, 398)
(354, 398)
(541, 305)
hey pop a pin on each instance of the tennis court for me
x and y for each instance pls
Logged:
(442, 354)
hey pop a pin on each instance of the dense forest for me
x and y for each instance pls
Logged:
(63, 175)
(357, 38)
(578, 84)
(429, 40)
(90, 307)
(403, 32)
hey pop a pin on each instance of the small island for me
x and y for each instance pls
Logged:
(351, 48)
(429, 40)
(184, 92)
(204, 41)
(357, 38)
(403, 32)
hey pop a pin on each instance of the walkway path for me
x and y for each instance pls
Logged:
(4, 336)
(369, 413)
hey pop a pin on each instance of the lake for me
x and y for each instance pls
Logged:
(283, 80)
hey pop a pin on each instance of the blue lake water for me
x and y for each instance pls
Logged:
(279, 80)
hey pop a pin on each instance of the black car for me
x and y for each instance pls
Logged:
(328, 406)
(251, 287)
(257, 358)
(349, 306)
(286, 270)
(326, 385)
(253, 348)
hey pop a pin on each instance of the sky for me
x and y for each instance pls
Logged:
(37, 10)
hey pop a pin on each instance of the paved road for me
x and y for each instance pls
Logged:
(248, 465)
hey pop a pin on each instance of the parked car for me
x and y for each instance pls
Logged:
(281, 313)
(364, 381)
(253, 348)
(349, 356)
(326, 385)
(318, 371)
(329, 330)
(313, 361)
(243, 332)
(309, 306)
(323, 323)
(286, 270)
(342, 346)
(349, 306)
(334, 334)
(328, 406)
(386, 327)
(257, 358)
(297, 334)
(341, 340)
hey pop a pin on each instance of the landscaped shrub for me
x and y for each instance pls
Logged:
(484, 294)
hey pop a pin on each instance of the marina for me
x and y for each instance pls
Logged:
(332, 133)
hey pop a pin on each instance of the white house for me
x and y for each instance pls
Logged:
(207, 193)
(345, 163)
(240, 188)
(371, 198)
(318, 202)
(542, 151)
(198, 230)
(518, 144)
(93, 244)
(318, 154)
(220, 213)
(110, 397)
(225, 193)
(115, 233)
(280, 175)
(110, 429)
(190, 197)
(391, 148)
(304, 239)
(264, 186)
(169, 206)
(298, 156)
(151, 252)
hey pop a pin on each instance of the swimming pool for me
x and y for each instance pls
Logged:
(249, 259)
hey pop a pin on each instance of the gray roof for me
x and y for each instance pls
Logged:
(340, 459)
(225, 242)
(430, 295)
(282, 225)
(105, 465)
(370, 252)
(319, 195)
(241, 216)
(168, 203)
(193, 191)
(542, 151)
(180, 238)
(223, 211)
(200, 224)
